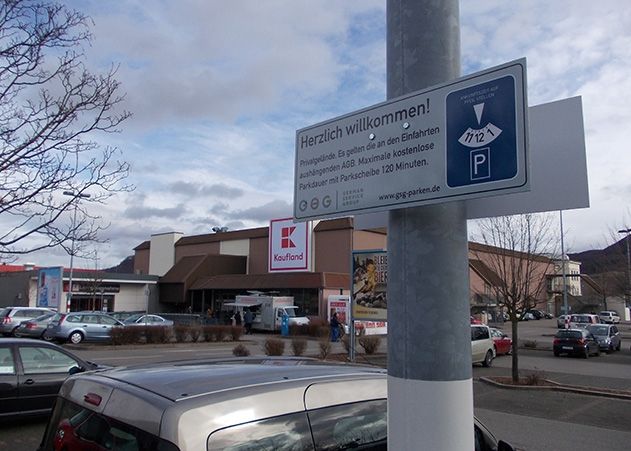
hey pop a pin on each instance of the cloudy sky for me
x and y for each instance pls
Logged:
(218, 88)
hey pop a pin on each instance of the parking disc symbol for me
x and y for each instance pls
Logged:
(481, 136)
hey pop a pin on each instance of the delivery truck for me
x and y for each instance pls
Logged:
(268, 310)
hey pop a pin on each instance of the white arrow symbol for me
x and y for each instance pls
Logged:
(478, 111)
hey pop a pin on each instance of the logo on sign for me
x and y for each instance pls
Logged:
(285, 241)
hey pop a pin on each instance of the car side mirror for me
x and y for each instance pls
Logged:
(503, 446)
(75, 370)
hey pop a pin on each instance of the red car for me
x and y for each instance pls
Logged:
(503, 343)
(475, 320)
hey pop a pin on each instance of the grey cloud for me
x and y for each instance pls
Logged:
(195, 189)
(142, 212)
(263, 213)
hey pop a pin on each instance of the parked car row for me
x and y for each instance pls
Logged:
(74, 327)
(584, 342)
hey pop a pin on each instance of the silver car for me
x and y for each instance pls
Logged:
(607, 335)
(79, 326)
(142, 319)
(268, 405)
(34, 328)
(11, 317)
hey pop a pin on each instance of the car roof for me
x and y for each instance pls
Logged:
(182, 380)
(32, 341)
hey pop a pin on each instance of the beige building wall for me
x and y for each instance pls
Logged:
(162, 256)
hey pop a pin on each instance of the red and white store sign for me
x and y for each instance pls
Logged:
(289, 245)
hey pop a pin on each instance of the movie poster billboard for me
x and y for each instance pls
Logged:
(49, 287)
(370, 280)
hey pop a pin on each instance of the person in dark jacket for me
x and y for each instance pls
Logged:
(335, 327)
(248, 318)
(237, 318)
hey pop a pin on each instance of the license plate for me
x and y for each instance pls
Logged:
(567, 348)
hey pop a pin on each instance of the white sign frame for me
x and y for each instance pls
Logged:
(401, 153)
(290, 246)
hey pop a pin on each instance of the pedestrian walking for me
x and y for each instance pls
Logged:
(248, 318)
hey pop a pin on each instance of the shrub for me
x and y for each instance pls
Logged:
(125, 335)
(531, 344)
(157, 334)
(274, 346)
(195, 332)
(346, 341)
(240, 351)
(325, 347)
(298, 346)
(236, 332)
(181, 332)
(370, 343)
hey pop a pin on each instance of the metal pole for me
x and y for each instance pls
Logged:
(430, 388)
(628, 293)
(564, 272)
(77, 196)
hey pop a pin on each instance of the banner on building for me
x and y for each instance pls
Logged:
(49, 287)
(370, 280)
(289, 245)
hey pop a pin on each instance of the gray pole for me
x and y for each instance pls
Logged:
(430, 389)
(564, 271)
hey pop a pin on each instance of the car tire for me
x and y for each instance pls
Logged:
(75, 338)
(586, 354)
(618, 347)
(488, 359)
(557, 354)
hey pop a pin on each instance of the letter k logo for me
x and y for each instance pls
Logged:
(285, 239)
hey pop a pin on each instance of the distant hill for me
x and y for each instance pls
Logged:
(124, 267)
(597, 261)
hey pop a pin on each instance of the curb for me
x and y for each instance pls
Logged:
(560, 387)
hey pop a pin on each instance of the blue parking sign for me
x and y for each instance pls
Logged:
(481, 139)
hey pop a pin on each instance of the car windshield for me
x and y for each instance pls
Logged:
(599, 330)
(580, 319)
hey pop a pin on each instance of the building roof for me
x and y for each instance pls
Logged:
(260, 232)
(479, 247)
(271, 281)
(485, 272)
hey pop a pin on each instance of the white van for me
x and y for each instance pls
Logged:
(482, 347)
(269, 404)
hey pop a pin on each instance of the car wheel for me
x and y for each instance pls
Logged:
(557, 354)
(488, 358)
(586, 354)
(618, 347)
(75, 338)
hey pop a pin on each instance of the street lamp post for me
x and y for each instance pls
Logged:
(628, 294)
(77, 196)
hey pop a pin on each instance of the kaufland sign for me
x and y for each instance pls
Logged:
(289, 245)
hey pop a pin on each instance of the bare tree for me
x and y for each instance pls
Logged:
(518, 250)
(51, 107)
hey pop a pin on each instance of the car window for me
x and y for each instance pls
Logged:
(5, 312)
(73, 318)
(6, 361)
(90, 319)
(84, 429)
(479, 333)
(282, 433)
(362, 425)
(569, 334)
(38, 360)
(107, 320)
(598, 330)
(614, 330)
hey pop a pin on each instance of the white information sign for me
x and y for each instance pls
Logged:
(462, 139)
